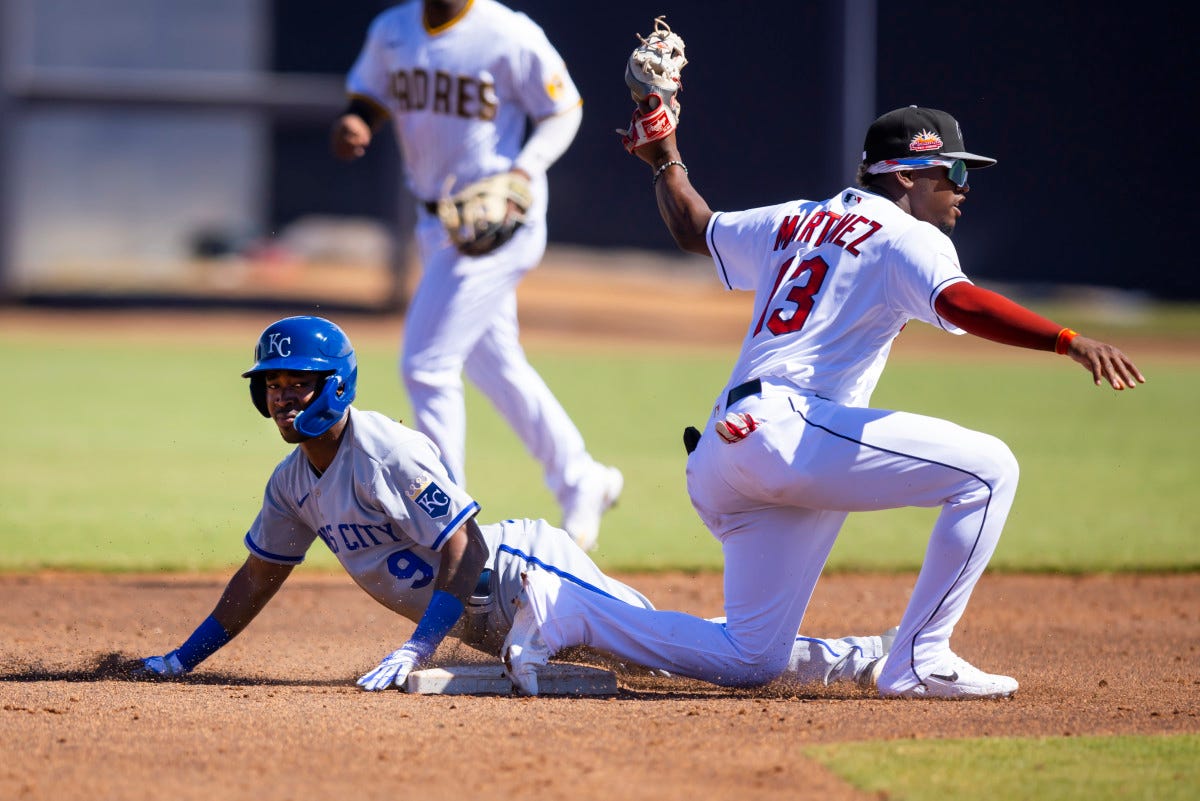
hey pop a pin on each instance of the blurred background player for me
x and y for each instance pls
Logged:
(460, 81)
(792, 445)
(378, 495)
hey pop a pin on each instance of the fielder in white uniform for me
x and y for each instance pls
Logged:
(792, 445)
(460, 80)
(378, 496)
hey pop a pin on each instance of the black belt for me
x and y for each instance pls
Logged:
(430, 206)
(751, 387)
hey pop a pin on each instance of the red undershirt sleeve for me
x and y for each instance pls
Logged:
(992, 316)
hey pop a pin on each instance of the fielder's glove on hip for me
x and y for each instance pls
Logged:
(484, 215)
(652, 73)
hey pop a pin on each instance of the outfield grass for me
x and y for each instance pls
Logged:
(151, 456)
(1162, 768)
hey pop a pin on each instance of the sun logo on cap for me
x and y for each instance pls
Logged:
(925, 140)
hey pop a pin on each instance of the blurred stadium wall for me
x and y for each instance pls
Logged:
(156, 149)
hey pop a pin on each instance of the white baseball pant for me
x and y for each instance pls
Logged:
(776, 501)
(464, 314)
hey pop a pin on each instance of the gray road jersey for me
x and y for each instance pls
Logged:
(384, 508)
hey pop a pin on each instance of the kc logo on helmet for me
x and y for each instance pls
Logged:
(279, 344)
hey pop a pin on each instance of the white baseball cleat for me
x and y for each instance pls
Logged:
(958, 679)
(587, 504)
(524, 649)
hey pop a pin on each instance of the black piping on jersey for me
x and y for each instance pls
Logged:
(712, 244)
(562, 574)
(953, 584)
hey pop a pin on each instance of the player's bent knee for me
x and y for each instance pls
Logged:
(1001, 463)
(990, 460)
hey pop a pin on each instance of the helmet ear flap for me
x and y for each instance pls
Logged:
(258, 393)
(327, 408)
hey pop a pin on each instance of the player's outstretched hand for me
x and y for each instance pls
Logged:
(1106, 363)
(167, 666)
(393, 670)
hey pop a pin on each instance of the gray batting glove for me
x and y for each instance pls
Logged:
(393, 670)
(167, 666)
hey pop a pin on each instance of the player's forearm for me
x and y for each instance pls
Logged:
(463, 558)
(248, 592)
(549, 139)
(682, 208)
(992, 316)
(255, 583)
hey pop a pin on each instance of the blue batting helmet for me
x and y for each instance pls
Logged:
(313, 345)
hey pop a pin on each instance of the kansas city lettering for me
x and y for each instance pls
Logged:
(818, 227)
(443, 93)
(353, 536)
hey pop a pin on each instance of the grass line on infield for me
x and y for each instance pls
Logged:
(1158, 767)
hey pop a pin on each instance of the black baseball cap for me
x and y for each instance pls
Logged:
(914, 131)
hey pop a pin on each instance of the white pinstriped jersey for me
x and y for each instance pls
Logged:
(459, 95)
(385, 507)
(834, 283)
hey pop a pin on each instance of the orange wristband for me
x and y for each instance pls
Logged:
(1064, 341)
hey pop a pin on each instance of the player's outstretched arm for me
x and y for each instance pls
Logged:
(653, 73)
(246, 594)
(463, 558)
(992, 316)
(683, 209)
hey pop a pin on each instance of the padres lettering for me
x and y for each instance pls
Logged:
(443, 93)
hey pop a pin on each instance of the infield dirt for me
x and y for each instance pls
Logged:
(276, 713)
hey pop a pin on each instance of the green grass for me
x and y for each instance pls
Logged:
(150, 456)
(1162, 768)
(1106, 476)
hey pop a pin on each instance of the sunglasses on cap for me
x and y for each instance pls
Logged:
(956, 168)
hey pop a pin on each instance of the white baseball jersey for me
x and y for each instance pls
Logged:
(873, 266)
(386, 506)
(459, 95)
(834, 282)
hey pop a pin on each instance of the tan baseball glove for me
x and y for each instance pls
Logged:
(484, 215)
(652, 73)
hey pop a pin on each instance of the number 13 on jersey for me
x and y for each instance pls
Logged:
(804, 279)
